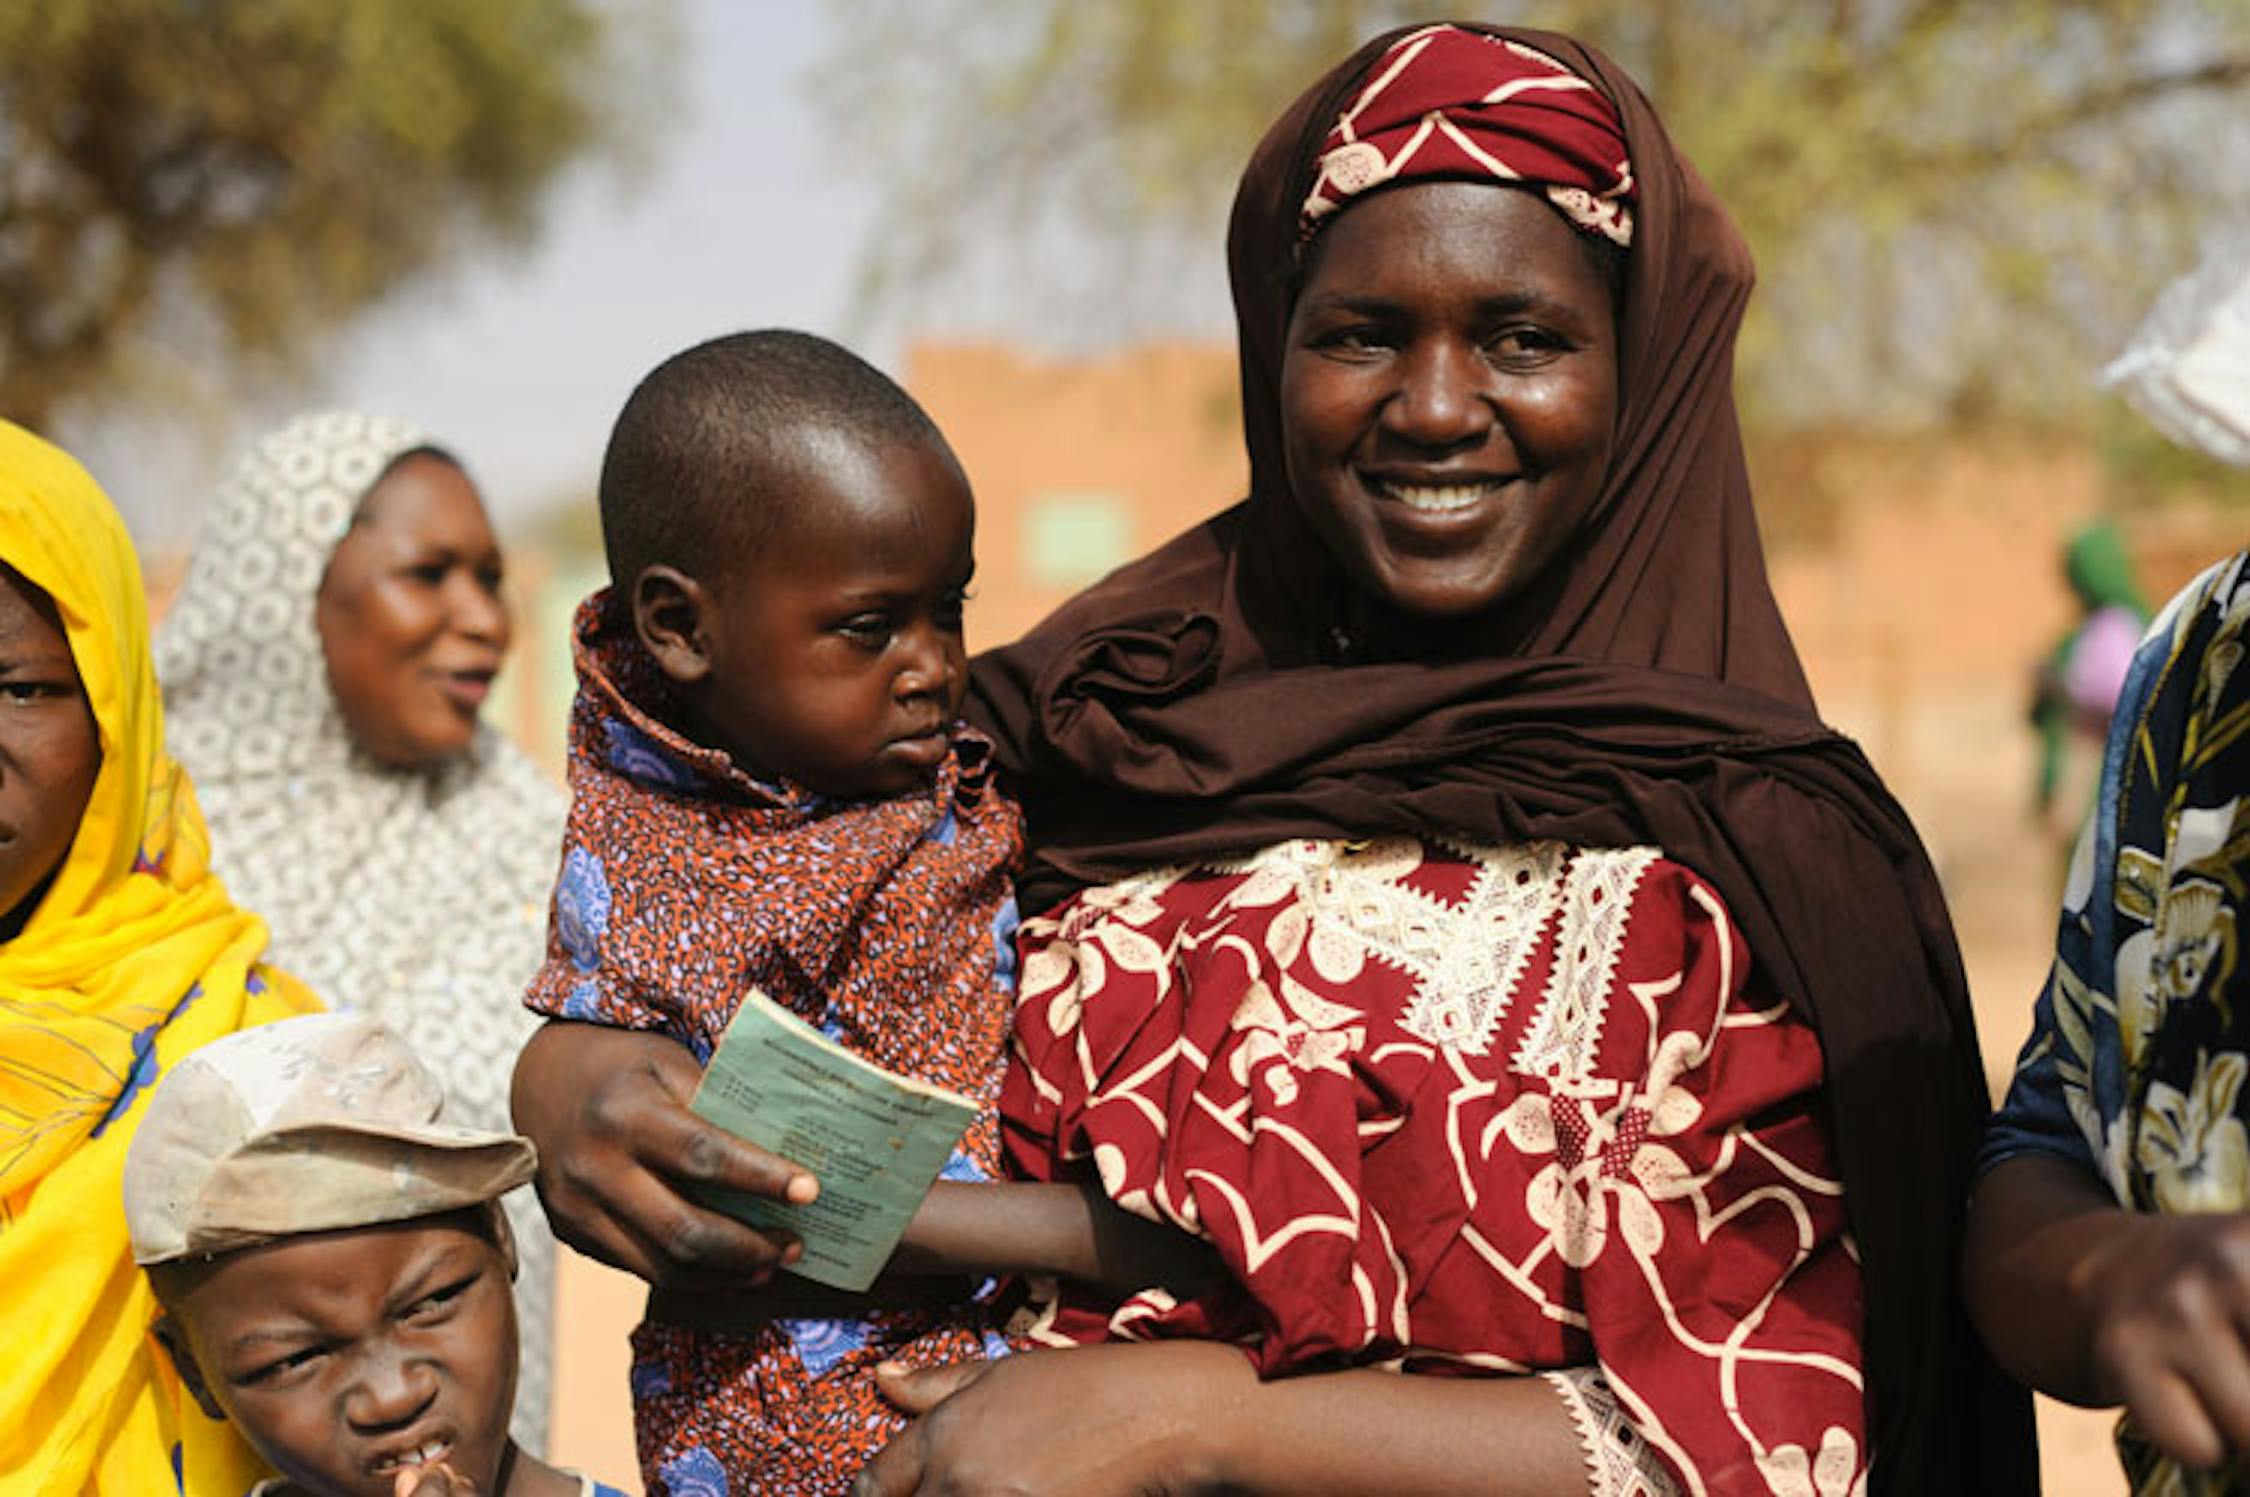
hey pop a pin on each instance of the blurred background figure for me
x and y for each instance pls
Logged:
(324, 667)
(2077, 686)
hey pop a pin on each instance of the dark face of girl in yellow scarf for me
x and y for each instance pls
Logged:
(49, 753)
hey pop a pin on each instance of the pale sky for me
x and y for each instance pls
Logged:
(738, 216)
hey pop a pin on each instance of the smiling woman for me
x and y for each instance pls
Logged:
(1443, 896)
(1442, 885)
(323, 668)
(1451, 409)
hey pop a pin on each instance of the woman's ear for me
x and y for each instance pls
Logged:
(175, 1343)
(672, 616)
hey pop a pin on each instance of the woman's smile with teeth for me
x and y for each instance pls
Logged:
(1437, 498)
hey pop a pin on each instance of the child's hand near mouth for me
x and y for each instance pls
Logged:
(434, 1480)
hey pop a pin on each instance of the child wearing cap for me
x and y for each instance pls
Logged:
(333, 1265)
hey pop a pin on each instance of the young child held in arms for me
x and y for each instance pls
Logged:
(333, 1264)
(770, 790)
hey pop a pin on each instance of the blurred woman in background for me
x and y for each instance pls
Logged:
(2077, 684)
(324, 668)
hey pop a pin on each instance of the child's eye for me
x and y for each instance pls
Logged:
(870, 631)
(282, 1369)
(25, 692)
(950, 609)
(428, 573)
(436, 1305)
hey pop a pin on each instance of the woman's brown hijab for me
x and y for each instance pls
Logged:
(1231, 689)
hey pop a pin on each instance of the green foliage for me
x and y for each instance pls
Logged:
(1958, 208)
(240, 175)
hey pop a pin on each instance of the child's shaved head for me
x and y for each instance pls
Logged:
(702, 462)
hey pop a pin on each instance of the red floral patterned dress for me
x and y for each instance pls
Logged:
(1507, 1110)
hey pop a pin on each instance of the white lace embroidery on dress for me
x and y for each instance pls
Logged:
(1465, 957)
(1597, 896)
(1619, 1463)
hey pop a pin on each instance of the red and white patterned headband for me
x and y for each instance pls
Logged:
(1449, 104)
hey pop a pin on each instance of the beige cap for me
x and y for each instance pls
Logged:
(307, 1125)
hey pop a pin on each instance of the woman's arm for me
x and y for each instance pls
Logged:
(1192, 1417)
(2100, 1306)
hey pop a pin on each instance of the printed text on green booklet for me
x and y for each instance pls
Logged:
(874, 1140)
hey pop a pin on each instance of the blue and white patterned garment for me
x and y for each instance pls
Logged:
(2140, 1043)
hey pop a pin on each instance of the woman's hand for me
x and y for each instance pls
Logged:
(2101, 1306)
(1098, 1421)
(2170, 1303)
(1192, 1417)
(618, 1149)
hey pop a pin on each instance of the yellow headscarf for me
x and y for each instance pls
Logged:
(133, 958)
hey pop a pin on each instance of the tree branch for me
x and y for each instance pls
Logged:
(2031, 134)
(2105, 103)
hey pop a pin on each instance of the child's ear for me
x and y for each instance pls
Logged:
(175, 1343)
(671, 614)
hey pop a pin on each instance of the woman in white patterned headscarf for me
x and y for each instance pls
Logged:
(323, 667)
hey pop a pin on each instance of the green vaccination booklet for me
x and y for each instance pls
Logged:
(875, 1140)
